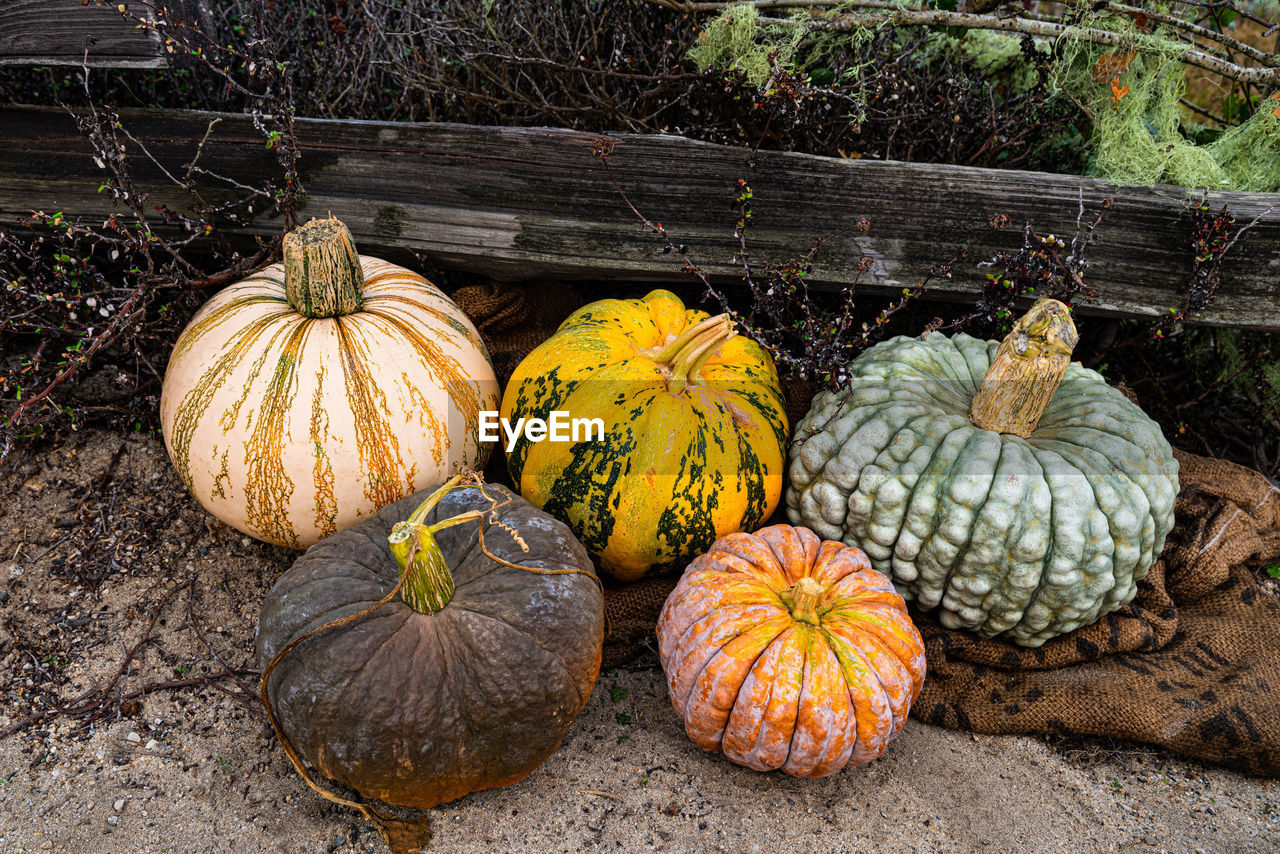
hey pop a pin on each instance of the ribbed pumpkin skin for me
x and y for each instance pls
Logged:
(418, 709)
(290, 428)
(676, 470)
(1026, 539)
(773, 692)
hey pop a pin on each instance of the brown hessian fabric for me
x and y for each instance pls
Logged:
(631, 612)
(514, 318)
(1191, 664)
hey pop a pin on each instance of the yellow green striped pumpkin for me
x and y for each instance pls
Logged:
(694, 431)
(299, 401)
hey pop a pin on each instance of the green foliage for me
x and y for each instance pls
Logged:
(1248, 368)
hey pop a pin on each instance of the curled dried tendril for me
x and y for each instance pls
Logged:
(473, 478)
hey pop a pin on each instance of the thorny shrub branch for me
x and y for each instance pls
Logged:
(815, 336)
(77, 289)
(1211, 239)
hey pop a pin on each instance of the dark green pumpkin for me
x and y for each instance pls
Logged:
(417, 708)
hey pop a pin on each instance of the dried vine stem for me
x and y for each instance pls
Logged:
(246, 697)
(1194, 29)
(95, 703)
(878, 14)
(78, 289)
(1188, 26)
(1265, 77)
(807, 341)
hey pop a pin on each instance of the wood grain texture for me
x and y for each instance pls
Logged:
(523, 203)
(56, 32)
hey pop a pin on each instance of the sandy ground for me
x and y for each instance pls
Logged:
(196, 769)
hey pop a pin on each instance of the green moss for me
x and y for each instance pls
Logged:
(999, 55)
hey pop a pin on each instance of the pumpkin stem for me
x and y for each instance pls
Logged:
(322, 272)
(1026, 370)
(687, 364)
(804, 600)
(428, 584)
(667, 352)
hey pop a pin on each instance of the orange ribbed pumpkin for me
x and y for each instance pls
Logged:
(789, 652)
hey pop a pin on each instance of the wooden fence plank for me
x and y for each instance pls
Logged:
(56, 32)
(524, 203)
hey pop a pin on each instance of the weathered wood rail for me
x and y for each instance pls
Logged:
(524, 203)
(57, 32)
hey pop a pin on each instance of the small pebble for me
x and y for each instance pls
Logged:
(113, 820)
(118, 805)
(152, 744)
(134, 737)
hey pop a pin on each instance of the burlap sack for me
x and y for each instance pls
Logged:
(514, 318)
(1192, 664)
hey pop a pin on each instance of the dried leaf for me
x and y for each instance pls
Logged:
(404, 837)
(1117, 92)
(1112, 64)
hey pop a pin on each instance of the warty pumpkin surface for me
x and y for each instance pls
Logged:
(468, 679)
(300, 400)
(787, 652)
(695, 431)
(1014, 505)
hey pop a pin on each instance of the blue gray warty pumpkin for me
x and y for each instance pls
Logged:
(1014, 492)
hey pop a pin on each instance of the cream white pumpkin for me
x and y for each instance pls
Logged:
(299, 401)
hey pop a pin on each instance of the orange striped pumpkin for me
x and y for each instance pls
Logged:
(299, 401)
(787, 652)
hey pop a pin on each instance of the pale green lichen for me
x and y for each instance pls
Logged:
(737, 40)
(1131, 92)
(1134, 93)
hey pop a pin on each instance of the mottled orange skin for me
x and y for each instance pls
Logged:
(773, 691)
